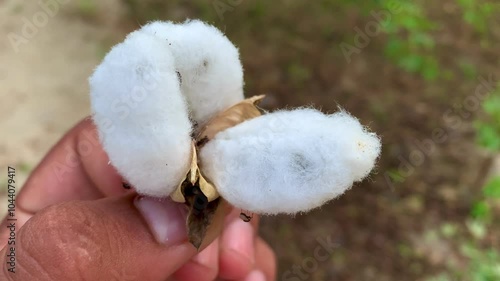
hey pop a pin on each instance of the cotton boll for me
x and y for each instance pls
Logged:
(141, 115)
(208, 64)
(289, 161)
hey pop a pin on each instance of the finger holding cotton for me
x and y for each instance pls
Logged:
(208, 64)
(141, 115)
(289, 161)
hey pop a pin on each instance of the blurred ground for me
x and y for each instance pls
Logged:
(383, 229)
(43, 87)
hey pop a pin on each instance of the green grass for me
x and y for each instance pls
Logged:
(478, 14)
(483, 264)
(17, 8)
(410, 43)
(87, 7)
(488, 127)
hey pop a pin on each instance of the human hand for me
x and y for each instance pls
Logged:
(76, 222)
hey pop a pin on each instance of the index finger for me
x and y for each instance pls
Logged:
(76, 168)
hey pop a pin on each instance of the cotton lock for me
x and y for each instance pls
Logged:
(153, 89)
(289, 161)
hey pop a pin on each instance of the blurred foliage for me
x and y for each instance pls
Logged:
(410, 43)
(484, 266)
(491, 193)
(410, 33)
(87, 7)
(488, 127)
(149, 10)
(478, 14)
(492, 189)
(411, 39)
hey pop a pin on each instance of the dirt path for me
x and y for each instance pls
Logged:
(43, 75)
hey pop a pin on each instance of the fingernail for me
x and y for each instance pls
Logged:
(256, 275)
(209, 255)
(239, 237)
(165, 218)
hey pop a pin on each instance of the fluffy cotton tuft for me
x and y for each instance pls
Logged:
(289, 161)
(141, 115)
(208, 64)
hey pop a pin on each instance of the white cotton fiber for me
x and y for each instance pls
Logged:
(289, 161)
(141, 115)
(208, 64)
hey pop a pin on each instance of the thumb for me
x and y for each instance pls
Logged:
(122, 238)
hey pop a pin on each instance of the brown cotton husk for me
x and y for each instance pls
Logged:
(236, 114)
(206, 209)
(195, 178)
(205, 226)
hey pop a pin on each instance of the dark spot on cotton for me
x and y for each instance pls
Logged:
(300, 163)
(202, 141)
(195, 127)
(179, 76)
(144, 70)
(139, 71)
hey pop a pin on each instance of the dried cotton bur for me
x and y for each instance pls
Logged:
(168, 105)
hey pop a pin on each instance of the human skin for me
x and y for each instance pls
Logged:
(75, 221)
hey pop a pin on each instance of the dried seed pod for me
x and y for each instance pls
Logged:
(195, 191)
(236, 114)
(195, 178)
(228, 118)
(202, 199)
